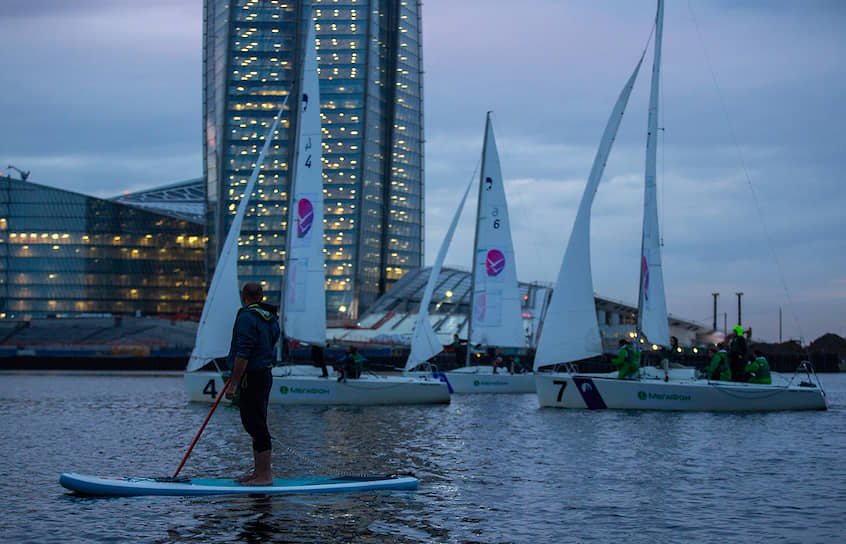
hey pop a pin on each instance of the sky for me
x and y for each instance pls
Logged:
(105, 96)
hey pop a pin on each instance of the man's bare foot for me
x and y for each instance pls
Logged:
(258, 481)
(245, 477)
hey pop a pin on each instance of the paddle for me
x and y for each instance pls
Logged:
(220, 396)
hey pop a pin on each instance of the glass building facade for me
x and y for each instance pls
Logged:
(369, 53)
(65, 254)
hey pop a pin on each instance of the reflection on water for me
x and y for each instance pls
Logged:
(493, 468)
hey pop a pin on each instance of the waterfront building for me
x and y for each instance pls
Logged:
(390, 321)
(183, 199)
(65, 254)
(369, 54)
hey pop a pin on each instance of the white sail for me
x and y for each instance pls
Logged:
(214, 332)
(304, 308)
(652, 304)
(570, 329)
(496, 316)
(424, 341)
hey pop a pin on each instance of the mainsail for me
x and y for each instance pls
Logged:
(304, 307)
(214, 332)
(570, 330)
(496, 316)
(424, 341)
(652, 304)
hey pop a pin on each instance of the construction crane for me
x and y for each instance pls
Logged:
(23, 174)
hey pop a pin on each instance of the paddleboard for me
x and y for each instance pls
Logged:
(127, 487)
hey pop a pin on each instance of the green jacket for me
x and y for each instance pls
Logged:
(758, 371)
(719, 368)
(627, 361)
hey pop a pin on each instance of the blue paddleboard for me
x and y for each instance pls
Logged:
(126, 487)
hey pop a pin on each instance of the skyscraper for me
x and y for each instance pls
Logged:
(369, 53)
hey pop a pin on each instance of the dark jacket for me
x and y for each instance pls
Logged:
(737, 346)
(254, 336)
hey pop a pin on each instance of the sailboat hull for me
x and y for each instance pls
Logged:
(315, 390)
(601, 391)
(481, 379)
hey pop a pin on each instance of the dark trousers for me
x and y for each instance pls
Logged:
(737, 364)
(253, 401)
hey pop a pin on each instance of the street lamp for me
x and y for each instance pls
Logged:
(23, 174)
(715, 295)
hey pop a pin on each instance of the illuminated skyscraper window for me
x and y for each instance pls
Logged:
(371, 90)
(65, 254)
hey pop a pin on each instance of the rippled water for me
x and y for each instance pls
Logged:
(493, 468)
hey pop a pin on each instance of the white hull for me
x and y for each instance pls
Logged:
(681, 392)
(300, 370)
(481, 379)
(299, 389)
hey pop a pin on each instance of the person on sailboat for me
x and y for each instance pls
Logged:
(675, 350)
(670, 355)
(497, 361)
(351, 364)
(251, 356)
(459, 347)
(627, 361)
(319, 360)
(758, 370)
(718, 368)
(737, 353)
(515, 366)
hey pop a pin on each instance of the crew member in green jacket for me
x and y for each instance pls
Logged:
(719, 368)
(627, 361)
(351, 364)
(758, 370)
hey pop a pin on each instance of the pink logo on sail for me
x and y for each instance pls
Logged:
(305, 217)
(644, 273)
(495, 262)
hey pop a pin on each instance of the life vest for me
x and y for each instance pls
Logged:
(759, 371)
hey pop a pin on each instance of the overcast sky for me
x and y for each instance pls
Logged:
(105, 96)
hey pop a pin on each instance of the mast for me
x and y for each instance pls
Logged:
(292, 179)
(495, 312)
(652, 305)
(305, 296)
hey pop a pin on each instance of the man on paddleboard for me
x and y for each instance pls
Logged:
(251, 356)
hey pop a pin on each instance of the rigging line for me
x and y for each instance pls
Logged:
(660, 134)
(661, 147)
(755, 200)
(472, 177)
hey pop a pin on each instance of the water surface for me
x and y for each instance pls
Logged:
(493, 468)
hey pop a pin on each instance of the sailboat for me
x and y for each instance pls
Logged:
(214, 331)
(495, 313)
(571, 334)
(303, 308)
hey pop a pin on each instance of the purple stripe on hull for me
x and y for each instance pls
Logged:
(590, 394)
(443, 377)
